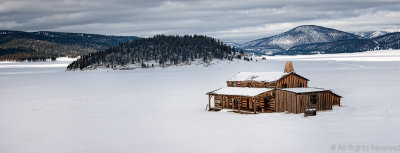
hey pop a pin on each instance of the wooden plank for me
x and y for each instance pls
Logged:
(209, 102)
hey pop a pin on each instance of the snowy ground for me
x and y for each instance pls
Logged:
(45, 109)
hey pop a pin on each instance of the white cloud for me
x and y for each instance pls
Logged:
(230, 20)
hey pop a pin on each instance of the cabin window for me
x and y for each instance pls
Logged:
(249, 85)
(235, 102)
(234, 84)
(299, 84)
(313, 99)
(284, 85)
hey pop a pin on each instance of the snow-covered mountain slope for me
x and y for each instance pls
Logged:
(305, 34)
(233, 44)
(371, 34)
(387, 41)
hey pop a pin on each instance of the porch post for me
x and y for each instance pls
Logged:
(209, 102)
(233, 103)
(254, 104)
(222, 103)
(239, 103)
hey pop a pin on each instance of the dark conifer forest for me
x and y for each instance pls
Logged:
(160, 50)
(46, 45)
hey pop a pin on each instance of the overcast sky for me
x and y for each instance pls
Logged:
(238, 20)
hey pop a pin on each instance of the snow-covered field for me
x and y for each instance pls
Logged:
(45, 109)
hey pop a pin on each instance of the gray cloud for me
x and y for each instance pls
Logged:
(228, 20)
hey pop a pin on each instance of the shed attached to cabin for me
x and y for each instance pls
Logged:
(296, 100)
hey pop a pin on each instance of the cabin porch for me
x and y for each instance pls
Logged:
(263, 102)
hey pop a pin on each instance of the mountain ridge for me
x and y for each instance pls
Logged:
(383, 42)
(312, 39)
(40, 45)
(304, 34)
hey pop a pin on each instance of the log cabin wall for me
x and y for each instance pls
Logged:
(261, 99)
(271, 84)
(245, 103)
(224, 101)
(291, 81)
(252, 84)
(280, 101)
(218, 101)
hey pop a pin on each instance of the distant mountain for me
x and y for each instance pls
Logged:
(342, 46)
(388, 41)
(157, 51)
(233, 44)
(19, 45)
(371, 34)
(305, 34)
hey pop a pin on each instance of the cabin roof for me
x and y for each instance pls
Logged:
(304, 90)
(240, 91)
(260, 76)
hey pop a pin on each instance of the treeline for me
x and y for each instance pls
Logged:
(19, 55)
(94, 41)
(388, 41)
(34, 46)
(343, 46)
(160, 50)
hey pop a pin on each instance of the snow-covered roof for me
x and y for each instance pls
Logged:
(304, 90)
(240, 91)
(258, 76)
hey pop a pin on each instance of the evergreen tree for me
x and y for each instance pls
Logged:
(162, 49)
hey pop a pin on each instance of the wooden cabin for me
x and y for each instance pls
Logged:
(272, 92)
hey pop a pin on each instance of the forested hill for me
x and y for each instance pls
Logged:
(159, 50)
(32, 46)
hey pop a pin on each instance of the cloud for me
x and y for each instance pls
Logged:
(229, 20)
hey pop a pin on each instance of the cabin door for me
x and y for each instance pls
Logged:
(248, 104)
(266, 103)
(235, 103)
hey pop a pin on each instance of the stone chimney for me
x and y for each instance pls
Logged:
(289, 67)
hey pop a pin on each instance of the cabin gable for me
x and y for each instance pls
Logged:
(292, 80)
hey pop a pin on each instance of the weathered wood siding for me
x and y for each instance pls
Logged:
(253, 84)
(225, 101)
(261, 103)
(280, 101)
(336, 99)
(324, 100)
(291, 81)
(218, 101)
(284, 101)
(297, 103)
